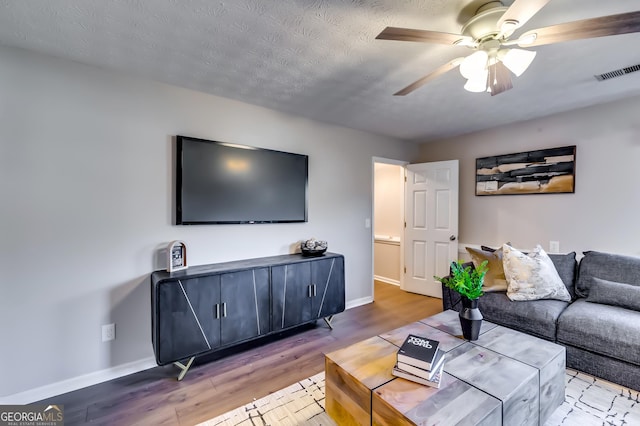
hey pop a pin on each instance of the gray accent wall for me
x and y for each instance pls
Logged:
(86, 205)
(602, 214)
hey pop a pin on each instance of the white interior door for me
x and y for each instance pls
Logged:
(431, 231)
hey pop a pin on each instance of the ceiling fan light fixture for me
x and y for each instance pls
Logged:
(474, 64)
(478, 82)
(489, 33)
(517, 60)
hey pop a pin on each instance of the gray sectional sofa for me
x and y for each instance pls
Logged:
(600, 327)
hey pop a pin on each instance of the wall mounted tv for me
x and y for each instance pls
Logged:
(218, 183)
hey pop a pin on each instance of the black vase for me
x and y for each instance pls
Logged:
(470, 319)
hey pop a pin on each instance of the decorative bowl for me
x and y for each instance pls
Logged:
(313, 253)
(313, 247)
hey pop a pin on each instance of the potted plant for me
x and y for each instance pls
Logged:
(467, 281)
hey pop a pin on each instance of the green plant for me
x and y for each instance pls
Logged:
(465, 280)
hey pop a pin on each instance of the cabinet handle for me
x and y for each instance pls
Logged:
(217, 311)
(314, 290)
(309, 290)
(224, 310)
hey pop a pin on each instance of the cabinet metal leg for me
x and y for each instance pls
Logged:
(183, 368)
(328, 321)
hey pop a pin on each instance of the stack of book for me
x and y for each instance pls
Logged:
(419, 360)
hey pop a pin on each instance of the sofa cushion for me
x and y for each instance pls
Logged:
(615, 294)
(610, 267)
(566, 265)
(532, 276)
(604, 329)
(537, 317)
(494, 279)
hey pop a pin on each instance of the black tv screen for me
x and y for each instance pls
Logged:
(218, 183)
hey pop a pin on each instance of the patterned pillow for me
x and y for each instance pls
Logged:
(494, 280)
(532, 276)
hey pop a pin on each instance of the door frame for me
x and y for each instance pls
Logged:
(403, 164)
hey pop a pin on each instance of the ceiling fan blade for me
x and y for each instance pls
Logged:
(424, 36)
(427, 78)
(499, 78)
(519, 13)
(623, 23)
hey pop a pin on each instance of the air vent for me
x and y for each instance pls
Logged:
(617, 73)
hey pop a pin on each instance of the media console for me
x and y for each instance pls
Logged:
(207, 308)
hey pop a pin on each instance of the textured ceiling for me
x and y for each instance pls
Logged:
(320, 59)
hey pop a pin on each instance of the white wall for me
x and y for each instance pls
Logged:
(86, 185)
(601, 215)
(389, 199)
(388, 225)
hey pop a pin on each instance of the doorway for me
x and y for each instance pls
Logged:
(410, 249)
(388, 220)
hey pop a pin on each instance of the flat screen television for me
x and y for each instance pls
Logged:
(222, 183)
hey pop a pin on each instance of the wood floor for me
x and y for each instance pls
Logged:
(155, 397)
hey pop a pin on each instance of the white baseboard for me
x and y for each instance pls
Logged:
(386, 280)
(359, 302)
(75, 383)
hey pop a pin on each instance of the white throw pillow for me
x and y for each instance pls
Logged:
(532, 276)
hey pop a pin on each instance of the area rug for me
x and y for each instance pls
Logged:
(588, 401)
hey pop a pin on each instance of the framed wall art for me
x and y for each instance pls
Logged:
(544, 171)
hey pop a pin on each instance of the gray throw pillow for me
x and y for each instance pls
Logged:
(566, 265)
(615, 294)
(614, 267)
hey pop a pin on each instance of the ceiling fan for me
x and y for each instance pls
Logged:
(489, 33)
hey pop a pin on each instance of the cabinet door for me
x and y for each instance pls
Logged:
(327, 275)
(290, 295)
(186, 310)
(245, 305)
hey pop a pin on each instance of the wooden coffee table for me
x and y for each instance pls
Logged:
(505, 377)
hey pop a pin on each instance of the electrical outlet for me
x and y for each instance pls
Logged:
(554, 246)
(108, 332)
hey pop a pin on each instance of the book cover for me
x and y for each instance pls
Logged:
(434, 382)
(425, 374)
(418, 351)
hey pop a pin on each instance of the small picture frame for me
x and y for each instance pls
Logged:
(176, 256)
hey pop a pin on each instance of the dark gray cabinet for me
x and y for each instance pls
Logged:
(244, 309)
(210, 307)
(187, 322)
(291, 287)
(306, 291)
(328, 277)
(205, 313)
